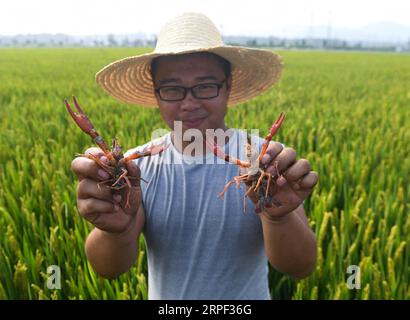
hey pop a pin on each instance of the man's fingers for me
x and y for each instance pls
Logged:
(90, 206)
(134, 173)
(272, 151)
(309, 180)
(129, 198)
(110, 222)
(94, 151)
(86, 168)
(133, 197)
(88, 188)
(285, 159)
(117, 198)
(297, 170)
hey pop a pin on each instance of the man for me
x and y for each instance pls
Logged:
(199, 246)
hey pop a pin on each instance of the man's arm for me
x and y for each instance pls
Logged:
(290, 244)
(118, 217)
(112, 254)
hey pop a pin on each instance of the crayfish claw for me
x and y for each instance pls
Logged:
(80, 119)
(78, 107)
(277, 123)
(275, 127)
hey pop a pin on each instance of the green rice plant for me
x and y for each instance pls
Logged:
(347, 113)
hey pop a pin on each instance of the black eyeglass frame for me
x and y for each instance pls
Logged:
(186, 89)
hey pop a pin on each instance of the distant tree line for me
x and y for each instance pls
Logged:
(142, 40)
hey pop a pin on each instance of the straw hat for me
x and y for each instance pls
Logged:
(253, 70)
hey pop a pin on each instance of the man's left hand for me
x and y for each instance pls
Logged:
(295, 183)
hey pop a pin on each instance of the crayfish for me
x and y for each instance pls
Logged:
(261, 182)
(116, 167)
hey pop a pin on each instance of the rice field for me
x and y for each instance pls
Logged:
(348, 113)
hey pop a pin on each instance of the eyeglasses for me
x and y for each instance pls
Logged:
(200, 91)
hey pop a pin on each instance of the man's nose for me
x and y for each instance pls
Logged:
(190, 102)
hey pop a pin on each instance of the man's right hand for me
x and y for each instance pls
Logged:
(104, 207)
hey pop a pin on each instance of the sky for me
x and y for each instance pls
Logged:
(251, 17)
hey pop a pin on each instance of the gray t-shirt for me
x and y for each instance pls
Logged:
(200, 246)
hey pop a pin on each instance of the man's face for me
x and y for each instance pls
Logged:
(187, 71)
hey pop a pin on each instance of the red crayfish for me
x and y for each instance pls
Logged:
(259, 181)
(116, 167)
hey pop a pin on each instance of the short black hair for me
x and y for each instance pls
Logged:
(225, 64)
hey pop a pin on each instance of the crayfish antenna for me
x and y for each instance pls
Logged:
(157, 149)
(220, 154)
(151, 151)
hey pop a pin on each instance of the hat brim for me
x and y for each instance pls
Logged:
(253, 72)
